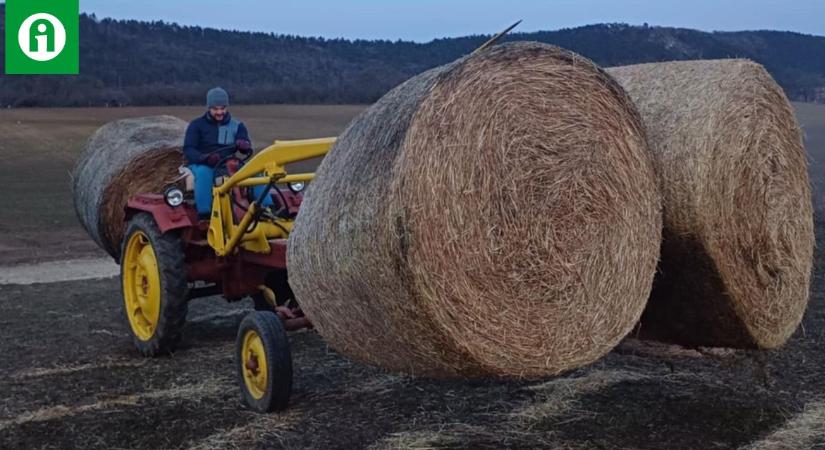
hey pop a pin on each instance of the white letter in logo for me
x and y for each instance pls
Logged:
(45, 41)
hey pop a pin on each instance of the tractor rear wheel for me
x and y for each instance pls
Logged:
(154, 286)
(264, 362)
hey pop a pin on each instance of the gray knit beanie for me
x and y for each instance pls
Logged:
(217, 97)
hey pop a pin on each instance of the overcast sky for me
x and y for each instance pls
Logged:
(424, 20)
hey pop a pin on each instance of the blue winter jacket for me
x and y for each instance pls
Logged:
(205, 135)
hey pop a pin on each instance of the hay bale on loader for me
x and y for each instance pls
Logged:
(496, 216)
(738, 224)
(121, 159)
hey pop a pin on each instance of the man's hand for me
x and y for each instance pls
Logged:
(213, 160)
(243, 146)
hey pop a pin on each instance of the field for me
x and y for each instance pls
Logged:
(40, 147)
(69, 377)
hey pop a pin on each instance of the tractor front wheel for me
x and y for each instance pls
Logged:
(154, 286)
(264, 362)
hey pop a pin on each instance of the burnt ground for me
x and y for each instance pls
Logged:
(70, 378)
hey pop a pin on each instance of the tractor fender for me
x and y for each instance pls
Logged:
(166, 217)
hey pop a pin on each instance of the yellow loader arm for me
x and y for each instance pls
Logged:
(265, 168)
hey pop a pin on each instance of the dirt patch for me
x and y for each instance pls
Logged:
(70, 378)
(59, 270)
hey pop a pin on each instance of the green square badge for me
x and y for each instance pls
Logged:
(42, 37)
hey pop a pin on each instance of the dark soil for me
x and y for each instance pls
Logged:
(96, 392)
(70, 378)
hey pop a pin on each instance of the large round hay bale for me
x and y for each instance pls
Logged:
(738, 238)
(497, 216)
(121, 159)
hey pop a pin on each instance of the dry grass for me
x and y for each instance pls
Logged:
(457, 436)
(802, 431)
(502, 219)
(462, 435)
(190, 392)
(377, 385)
(214, 351)
(40, 146)
(70, 369)
(122, 159)
(231, 314)
(260, 427)
(655, 349)
(738, 239)
(558, 397)
(449, 436)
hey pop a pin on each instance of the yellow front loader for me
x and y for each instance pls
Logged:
(170, 257)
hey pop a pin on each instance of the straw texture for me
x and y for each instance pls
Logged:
(497, 216)
(121, 159)
(738, 239)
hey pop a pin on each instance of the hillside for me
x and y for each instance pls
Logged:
(141, 63)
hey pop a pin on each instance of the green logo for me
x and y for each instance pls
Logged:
(42, 37)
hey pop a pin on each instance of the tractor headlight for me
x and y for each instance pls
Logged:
(297, 186)
(173, 196)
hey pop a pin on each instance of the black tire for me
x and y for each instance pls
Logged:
(275, 391)
(168, 252)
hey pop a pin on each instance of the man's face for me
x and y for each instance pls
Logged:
(217, 112)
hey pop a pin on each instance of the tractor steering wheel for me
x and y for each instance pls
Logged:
(220, 167)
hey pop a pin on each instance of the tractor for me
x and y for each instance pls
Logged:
(169, 256)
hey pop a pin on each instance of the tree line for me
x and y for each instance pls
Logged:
(129, 62)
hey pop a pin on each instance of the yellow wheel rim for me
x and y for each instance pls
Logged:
(141, 286)
(253, 360)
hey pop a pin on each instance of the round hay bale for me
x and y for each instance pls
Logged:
(121, 159)
(738, 238)
(497, 216)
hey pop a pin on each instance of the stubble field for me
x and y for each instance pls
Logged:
(69, 377)
(39, 148)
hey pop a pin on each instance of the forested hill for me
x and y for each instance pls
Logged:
(142, 63)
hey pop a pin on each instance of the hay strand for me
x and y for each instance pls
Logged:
(121, 159)
(738, 239)
(497, 216)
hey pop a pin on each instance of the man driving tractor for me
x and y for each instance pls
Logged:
(169, 257)
(210, 140)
